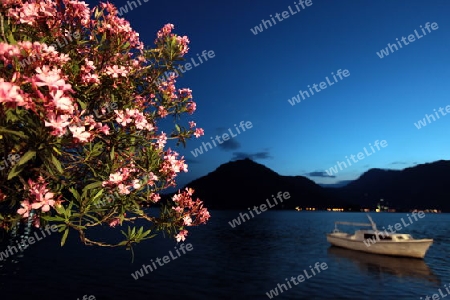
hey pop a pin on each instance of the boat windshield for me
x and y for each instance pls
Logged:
(380, 235)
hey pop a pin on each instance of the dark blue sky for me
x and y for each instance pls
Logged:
(252, 77)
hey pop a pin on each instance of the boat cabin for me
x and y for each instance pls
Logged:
(381, 236)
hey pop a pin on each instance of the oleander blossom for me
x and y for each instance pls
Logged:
(39, 197)
(11, 94)
(25, 209)
(190, 213)
(181, 236)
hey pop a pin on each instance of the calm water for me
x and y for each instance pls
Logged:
(240, 263)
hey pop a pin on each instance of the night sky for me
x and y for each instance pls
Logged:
(252, 77)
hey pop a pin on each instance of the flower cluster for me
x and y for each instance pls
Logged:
(71, 155)
(39, 198)
(188, 212)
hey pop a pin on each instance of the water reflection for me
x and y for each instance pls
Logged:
(12, 246)
(382, 264)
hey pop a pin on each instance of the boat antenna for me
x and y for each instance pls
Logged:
(374, 226)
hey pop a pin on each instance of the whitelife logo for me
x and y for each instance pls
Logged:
(262, 207)
(24, 243)
(323, 85)
(318, 266)
(360, 156)
(411, 38)
(187, 66)
(86, 297)
(12, 158)
(284, 15)
(67, 38)
(124, 9)
(166, 259)
(199, 150)
(423, 122)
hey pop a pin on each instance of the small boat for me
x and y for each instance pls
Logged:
(379, 242)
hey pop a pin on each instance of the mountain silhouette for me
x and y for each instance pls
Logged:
(242, 184)
(423, 186)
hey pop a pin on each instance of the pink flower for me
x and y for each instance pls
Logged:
(187, 220)
(37, 222)
(183, 44)
(165, 31)
(25, 210)
(61, 102)
(50, 78)
(136, 184)
(88, 65)
(80, 133)
(204, 215)
(162, 112)
(10, 93)
(185, 93)
(151, 178)
(199, 132)
(181, 236)
(58, 123)
(103, 128)
(122, 118)
(178, 209)
(191, 107)
(27, 14)
(189, 191)
(115, 71)
(162, 140)
(45, 202)
(155, 197)
(114, 222)
(114, 179)
(123, 189)
(90, 78)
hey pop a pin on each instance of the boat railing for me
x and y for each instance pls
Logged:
(371, 224)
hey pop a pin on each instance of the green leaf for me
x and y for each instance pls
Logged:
(111, 155)
(50, 218)
(18, 168)
(97, 150)
(92, 186)
(123, 243)
(26, 157)
(57, 164)
(82, 104)
(126, 45)
(11, 39)
(98, 195)
(18, 133)
(60, 210)
(63, 240)
(75, 194)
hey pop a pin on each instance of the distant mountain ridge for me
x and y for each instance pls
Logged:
(422, 186)
(242, 184)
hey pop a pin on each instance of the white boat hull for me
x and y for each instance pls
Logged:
(408, 248)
